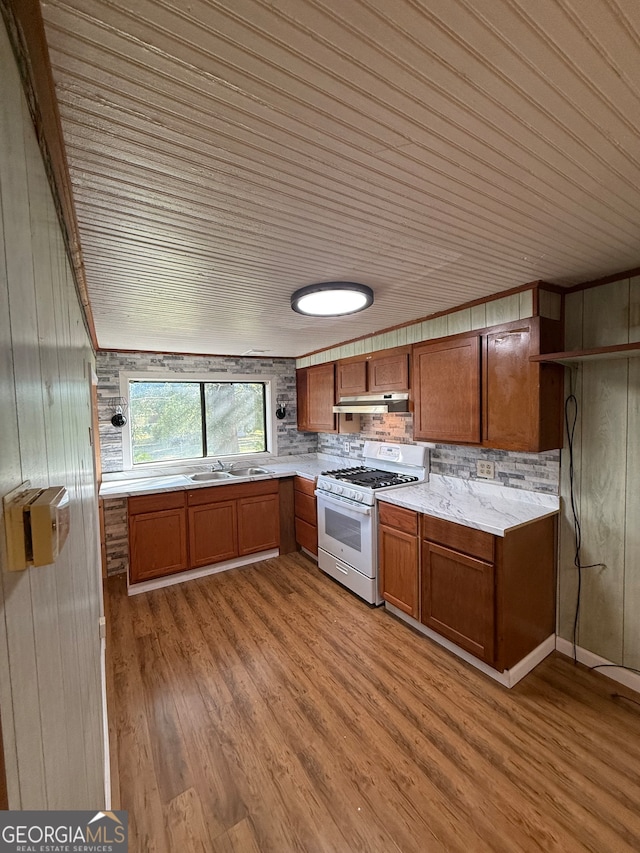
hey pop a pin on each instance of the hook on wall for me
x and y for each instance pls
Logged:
(281, 409)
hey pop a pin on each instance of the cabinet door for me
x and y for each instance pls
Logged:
(398, 564)
(352, 378)
(213, 533)
(446, 385)
(157, 544)
(389, 373)
(321, 392)
(258, 524)
(458, 599)
(510, 386)
(522, 400)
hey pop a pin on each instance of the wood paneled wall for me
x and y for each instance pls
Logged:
(607, 465)
(50, 687)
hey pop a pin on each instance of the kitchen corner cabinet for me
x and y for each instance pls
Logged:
(490, 595)
(306, 514)
(316, 396)
(380, 373)
(399, 557)
(484, 388)
(157, 536)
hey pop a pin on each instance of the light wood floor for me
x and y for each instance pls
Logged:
(267, 709)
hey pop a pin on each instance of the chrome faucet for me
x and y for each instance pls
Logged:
(220, 465)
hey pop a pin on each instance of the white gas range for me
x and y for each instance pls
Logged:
(347, 528)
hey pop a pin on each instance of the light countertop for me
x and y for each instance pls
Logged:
(483, 506)
(308, 466)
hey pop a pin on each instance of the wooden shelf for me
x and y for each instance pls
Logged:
(595, 354)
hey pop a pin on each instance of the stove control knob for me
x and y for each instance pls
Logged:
(338, 490)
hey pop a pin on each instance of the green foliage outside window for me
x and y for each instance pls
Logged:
(190, 420)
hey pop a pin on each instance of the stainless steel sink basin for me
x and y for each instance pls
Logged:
(211, 475)
(249, 472)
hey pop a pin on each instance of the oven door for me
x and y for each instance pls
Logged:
(346, 530)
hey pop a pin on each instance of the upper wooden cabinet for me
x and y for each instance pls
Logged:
(352, 378)
(316, 391)
(484, 388)
(522, 399)
(382, 372)
(446, 390)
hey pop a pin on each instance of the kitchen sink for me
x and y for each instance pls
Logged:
(211, 475)
(249, 472)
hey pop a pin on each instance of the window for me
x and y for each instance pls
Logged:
(187, 419)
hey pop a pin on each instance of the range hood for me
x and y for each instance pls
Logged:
(379, 404)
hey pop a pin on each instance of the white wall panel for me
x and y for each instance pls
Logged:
(50, 694)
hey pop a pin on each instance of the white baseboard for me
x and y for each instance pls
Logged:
(181, 577)
(622, 676)
(509, 677)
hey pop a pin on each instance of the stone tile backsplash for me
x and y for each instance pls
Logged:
(109, 365)
(536, 472)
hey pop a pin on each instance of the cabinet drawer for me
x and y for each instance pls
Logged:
(477, 543)
(398, 517)
(307, 536)
(231, 491)
(305, 508)
(307, 487)
(156, 502)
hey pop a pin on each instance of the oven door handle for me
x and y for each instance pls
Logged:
(345, 503)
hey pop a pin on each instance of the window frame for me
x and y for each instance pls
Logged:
(269, 382)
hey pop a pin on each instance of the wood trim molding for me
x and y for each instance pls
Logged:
(23, 19)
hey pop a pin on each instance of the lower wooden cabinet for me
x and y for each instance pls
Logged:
(258, 524)
(398, 560)
(174, 531)
(157, 536)
(493, 596)
(306, 514)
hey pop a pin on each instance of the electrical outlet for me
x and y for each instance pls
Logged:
(487, 470)
(346, 446)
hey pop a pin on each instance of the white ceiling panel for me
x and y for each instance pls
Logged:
(223, 154)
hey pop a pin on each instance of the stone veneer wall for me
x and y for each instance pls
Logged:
(536, 472)
(116, 535)
(109, 365)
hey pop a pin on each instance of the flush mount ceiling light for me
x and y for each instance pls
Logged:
(332, 299)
